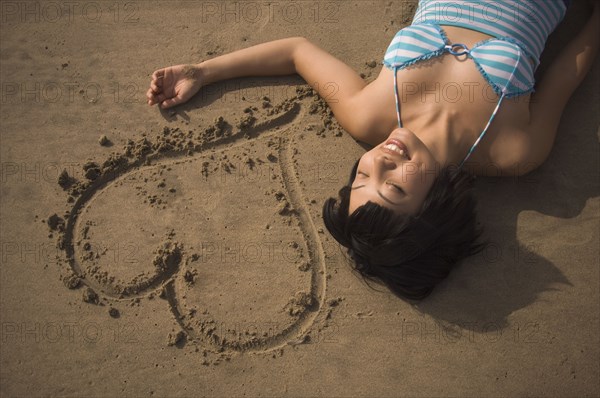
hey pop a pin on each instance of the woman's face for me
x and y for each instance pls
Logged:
(396, 174)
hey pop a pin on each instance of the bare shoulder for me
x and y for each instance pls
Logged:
(376, 105)
(511, 148)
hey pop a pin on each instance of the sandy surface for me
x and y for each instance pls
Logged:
(186, 256)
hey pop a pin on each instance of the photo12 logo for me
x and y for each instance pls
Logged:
(50, 92)
(290, 12)
(472, 332)
(29, 253)
(35, 172)
(69, 12)
(68, 332)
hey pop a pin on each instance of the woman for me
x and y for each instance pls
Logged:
(406, 215)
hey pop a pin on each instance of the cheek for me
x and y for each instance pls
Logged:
(352, 204)
(411, 174)
(418, 180)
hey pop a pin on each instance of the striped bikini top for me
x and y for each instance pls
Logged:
(503, 61)
(528, 22)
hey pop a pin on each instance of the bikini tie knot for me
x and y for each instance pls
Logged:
(462, 49)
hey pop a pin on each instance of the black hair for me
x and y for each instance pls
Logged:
(410, 254)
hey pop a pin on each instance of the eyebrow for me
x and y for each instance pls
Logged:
(382, 197)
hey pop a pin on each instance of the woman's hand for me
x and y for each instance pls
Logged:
(174, 85)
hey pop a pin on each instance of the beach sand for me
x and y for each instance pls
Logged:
(183, 253)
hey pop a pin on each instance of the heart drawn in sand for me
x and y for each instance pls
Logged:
(214, 223)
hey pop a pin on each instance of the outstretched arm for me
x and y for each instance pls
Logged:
(336, 82)
(558, 84)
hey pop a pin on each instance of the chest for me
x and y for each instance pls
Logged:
(449, 94)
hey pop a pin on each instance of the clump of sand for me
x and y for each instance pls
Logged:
(168, 256)
(298, 304)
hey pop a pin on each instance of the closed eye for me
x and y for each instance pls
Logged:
(396, 187)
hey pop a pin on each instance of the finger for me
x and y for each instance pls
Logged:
(156, 99)
(158, 78)
(158, 74)
(151, 96)
(154, 87)
(171, 102)
(159, 98)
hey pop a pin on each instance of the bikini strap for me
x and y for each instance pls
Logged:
(504, 91)
(397, 97)
(483, 132)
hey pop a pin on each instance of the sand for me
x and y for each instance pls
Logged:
(182, 253)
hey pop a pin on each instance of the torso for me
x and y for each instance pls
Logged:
(447, 94)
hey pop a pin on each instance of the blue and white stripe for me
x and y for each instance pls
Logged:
(529, 22)
(412, 43)
(504, 66)
(500, 61)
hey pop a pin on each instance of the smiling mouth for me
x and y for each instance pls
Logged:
(396, 147)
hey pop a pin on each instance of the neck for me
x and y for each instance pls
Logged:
(443, 136)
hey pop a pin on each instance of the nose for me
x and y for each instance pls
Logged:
(385, 162)
(382, 164)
